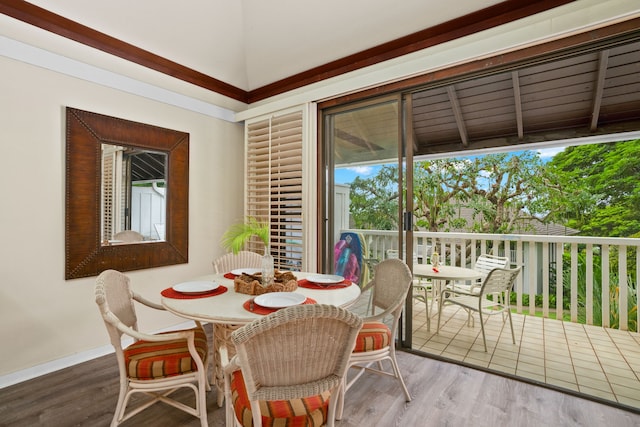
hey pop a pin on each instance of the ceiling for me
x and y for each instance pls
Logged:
(591, 92)
(581, 95)
(250, 50)
(253, 43)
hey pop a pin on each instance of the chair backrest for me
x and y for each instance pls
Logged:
(499, 280)
(231, 261)
(129, 236)
(296, 352)
(485, 263)
(115, 299)
(390, 286)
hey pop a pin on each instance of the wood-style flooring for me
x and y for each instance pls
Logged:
(444, 394)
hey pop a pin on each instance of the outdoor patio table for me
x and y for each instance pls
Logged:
(226, 311)
(442, 274)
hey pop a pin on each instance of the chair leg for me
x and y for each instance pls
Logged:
(426, 309)
(484, 338)
(333, 403)
(396, 370)
(340, 397)
(203, 384)
(513, 336)
(121, 405)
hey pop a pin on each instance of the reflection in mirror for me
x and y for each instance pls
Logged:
(133, 195)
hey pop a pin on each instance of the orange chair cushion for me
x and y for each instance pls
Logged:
(146, 360)
(306, 412)
(372, 336)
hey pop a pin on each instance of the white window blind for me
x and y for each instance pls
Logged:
(274, 185)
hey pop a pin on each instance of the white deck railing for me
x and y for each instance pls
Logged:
(594, 275)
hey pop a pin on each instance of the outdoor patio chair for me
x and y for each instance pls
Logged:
(498, 282)
(376, 340)
(154, 364)
(231, 261)
(289, 366)
(484, 264)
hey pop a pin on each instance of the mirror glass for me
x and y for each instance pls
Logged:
(134, 190)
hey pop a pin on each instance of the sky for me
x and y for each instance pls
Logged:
(347, 175)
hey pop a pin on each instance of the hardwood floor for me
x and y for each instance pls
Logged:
(443, 394)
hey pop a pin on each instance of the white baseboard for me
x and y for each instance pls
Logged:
(65, 362)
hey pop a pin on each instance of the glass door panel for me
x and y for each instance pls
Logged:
(364, 191)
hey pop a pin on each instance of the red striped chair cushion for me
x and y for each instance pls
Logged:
(372, 336)
(146, 360)
(307, 412)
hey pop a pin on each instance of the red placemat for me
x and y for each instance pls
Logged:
(170, 293)
(304, 283)
(229, 276)
(258, 309)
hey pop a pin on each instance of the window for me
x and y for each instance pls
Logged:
(274, 191)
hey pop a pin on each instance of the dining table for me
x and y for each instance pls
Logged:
(441, 275)
(227, 310)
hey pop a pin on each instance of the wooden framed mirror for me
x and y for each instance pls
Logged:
(91, 245)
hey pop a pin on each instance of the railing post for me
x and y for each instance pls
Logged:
(606, 286)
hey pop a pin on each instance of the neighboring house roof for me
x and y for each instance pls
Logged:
(527, 226)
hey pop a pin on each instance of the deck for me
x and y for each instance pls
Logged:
(591, 360)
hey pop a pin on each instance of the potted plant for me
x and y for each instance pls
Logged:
(239, 234)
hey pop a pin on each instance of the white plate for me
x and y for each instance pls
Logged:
(239, 271)
(200, 287)
(280, 299)
(325, 279)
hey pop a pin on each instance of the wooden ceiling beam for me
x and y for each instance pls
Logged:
(517, 100)
(457, 113)
(603, 63)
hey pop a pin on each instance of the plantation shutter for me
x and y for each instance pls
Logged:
(274, 185)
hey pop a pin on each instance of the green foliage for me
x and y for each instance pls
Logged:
(608, 174)
(614, 294)
(374, 201)
(505, 192)
(238, 234)
(592, 188)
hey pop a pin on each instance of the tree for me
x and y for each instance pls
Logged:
(504, 191)
(374, 201)
(609, 174)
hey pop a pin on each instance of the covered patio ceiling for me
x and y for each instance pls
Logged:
(576, 95)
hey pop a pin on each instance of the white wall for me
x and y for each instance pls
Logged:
(43, 318)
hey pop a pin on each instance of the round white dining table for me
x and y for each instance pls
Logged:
(227, 313)
(227, 308)
(442, 274)
(445, 272)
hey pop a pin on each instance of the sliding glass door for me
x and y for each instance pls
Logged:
(365, 187)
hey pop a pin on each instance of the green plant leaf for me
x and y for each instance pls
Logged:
(238, 234)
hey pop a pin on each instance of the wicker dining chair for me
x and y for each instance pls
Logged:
(376, 340)
(154, 364)
(288, 366)
(231, 261)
